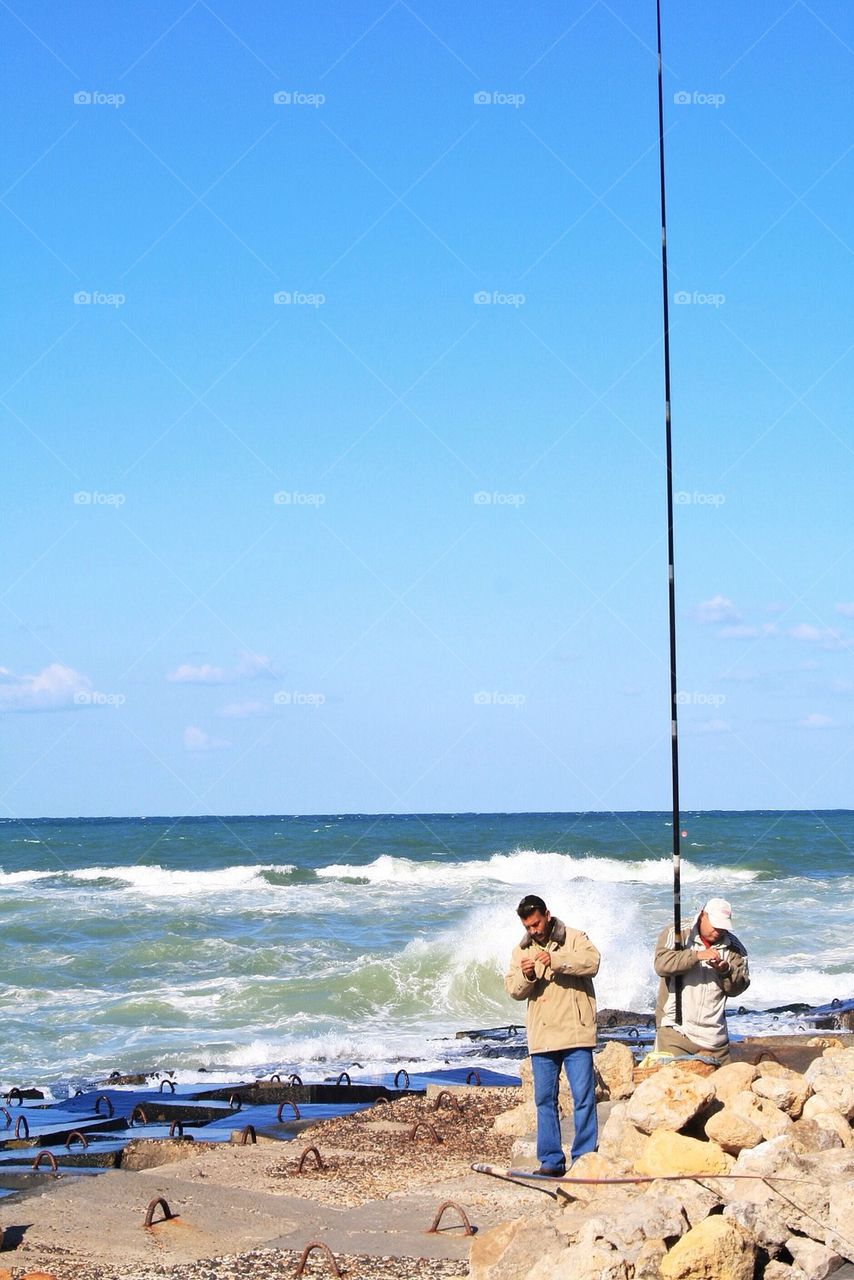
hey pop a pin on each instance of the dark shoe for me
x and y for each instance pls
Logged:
(545, 1171)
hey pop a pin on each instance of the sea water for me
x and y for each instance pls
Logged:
(310, 943)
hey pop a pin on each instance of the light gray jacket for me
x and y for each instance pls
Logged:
(704, 990)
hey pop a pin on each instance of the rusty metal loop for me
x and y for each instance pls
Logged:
(318, 1244)
(612, 1020)
(176, 1127)
(423, 1124)
(310, 1151)
(473, 1075)
(343, 1076)
(45, 1155)
(139, 1110)
(22, 1120)
(766, 1053)
(468, 1229)
(293, 1078)
(102, 1097)
(81, 1138)
(171, 1084)
(402, 1072)
(633, 1033)
(248, 1135)
(14, 1093)
(275, 1078)
(157, 1202)
(7, 1115)
(835, 1002)
(281, 1108)
(446, 1093)
(115, 1075)
(236, 1098)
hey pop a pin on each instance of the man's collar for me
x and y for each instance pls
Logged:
(557, 935)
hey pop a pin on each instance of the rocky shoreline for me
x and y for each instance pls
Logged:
(747, 1172)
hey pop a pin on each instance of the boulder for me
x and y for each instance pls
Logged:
(763, 1222)
(840, 1219)
(782, 1271)
(809, 1135)
(578, 1263)
(594, 1164)
(626, 1226)
(716, 1248)
(732, 1131)
(669, 1099)
(517, 1250)
(668, 1153)
(615, 1064)
(815, 1260)
(619, 1139)
(647, 1265)
(518, 1121)
(788, 1090)
(832, 1076)
(769, 1120)
(733, 1079)
(697, 1198)
(834, 1122)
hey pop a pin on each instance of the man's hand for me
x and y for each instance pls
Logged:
(528, 969)
(544, 958)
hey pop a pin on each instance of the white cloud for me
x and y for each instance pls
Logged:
(249, 666)
(743, 631)
(244, 710)
(718, 609)
(846, 609)
(205, 674)
(196, 739)
(817, 721)
(54, 687)
(827, 637)
(711, 726)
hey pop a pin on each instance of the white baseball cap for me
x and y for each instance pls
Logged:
(719, 913)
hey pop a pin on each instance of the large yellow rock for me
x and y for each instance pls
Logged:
(669, 1099)
(616, 1064)
(733, 1079)
(716, 1249)
(523, 1249)
(667, 1152)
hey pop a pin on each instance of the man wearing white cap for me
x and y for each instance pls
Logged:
(712, 964)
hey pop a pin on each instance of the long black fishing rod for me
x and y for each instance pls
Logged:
(671, 580)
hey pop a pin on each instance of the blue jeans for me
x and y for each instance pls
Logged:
(578, 1064)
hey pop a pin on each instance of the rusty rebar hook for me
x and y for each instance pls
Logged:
(310, 1151)
(468, 1229)
(318, 1244)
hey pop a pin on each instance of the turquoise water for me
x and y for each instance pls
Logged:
(253, 943)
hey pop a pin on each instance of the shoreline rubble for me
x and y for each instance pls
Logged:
(764, 1154)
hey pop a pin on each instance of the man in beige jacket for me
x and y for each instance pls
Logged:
(553, 969)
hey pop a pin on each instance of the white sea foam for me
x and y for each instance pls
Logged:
(23, 877)
(158, 882)
(529, 866)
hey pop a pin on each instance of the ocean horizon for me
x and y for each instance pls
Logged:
(247, 943)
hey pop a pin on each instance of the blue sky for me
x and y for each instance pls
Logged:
(332, 400)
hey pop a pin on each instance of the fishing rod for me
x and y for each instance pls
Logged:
(671, 580)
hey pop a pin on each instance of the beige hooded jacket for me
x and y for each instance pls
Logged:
(561, 1000)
